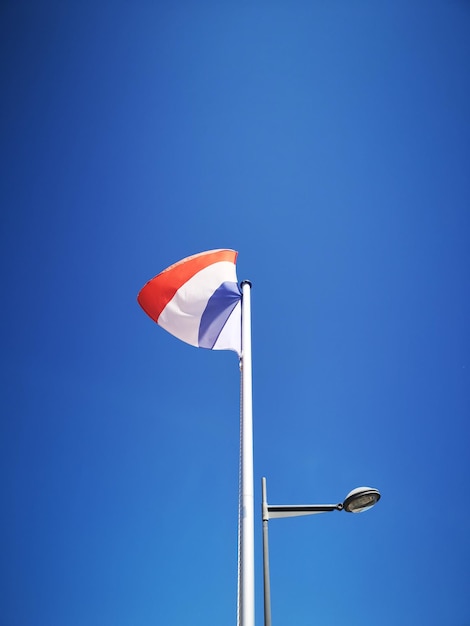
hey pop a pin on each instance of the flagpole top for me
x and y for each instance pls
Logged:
(246, 282)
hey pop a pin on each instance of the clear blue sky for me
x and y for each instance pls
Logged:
(327, 142)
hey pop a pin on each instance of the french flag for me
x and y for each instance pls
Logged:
(198, 300)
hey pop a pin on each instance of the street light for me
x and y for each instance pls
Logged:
(358, 500)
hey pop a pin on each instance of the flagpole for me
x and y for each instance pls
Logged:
(246, 589)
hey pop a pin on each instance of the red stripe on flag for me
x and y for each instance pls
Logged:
(156, 294)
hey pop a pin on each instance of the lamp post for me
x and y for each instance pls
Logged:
(357, 501)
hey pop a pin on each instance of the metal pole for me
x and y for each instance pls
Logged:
(246, 599)
(266, 580)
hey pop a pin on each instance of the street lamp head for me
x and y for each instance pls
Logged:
(361, 499)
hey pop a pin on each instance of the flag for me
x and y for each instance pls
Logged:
(198, 300)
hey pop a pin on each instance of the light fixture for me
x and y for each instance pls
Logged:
(361, 499)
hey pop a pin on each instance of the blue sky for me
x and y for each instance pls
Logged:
(327, 142)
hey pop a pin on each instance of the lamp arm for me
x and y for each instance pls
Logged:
(295, 510)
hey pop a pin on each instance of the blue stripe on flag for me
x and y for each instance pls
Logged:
(218, 310)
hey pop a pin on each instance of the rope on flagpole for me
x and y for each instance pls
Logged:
(240, 504)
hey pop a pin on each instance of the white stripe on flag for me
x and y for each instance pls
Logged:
(182, 315)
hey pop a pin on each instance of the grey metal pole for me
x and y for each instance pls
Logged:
(266, 582)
